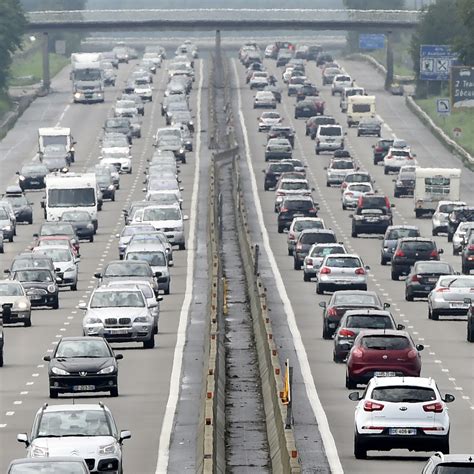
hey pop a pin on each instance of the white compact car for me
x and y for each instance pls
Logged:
(264, 99)
(401, 413)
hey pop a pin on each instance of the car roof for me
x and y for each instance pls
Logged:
(345, 255)
(368, 312)
(440, 458)
(402, 226)
(319, 231)
(416, 239)
(75, 459)
(75, 407)
(156, 245)
(410, 381)
(385, 332)
(82, 338)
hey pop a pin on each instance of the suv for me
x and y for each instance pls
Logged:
(273, 173)
(88, 429)
(381, 149)
(458, 215)
(390, 240)
(452, 463)
(305, 241)
(21, 206)
(370, 220)
(329, 138)
(295, 206)
(375, 201)
(410, 250)
(340, 82)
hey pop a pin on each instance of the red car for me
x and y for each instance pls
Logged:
(382, 353)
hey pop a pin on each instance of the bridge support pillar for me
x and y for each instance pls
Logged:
(46, 72)
(389, 76)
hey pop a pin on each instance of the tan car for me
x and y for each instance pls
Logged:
(14, 304)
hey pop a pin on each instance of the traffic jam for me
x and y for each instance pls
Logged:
(124, 304)
(399, 408)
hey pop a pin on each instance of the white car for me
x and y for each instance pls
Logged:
(63, 260)
(125, 108)
(298, 225)
(401, 413)
(340, 82)
(315, 257)
(144, 89)
(267, 120)
(122, 162)
(264, 99)
(290, 187)
(396, 158)
(87, 430)
(352, 192)
(439, 221)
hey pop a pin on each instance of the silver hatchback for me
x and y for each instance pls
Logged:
(449, 296)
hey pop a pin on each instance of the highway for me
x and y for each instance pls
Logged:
(447, 357)
(146, 377)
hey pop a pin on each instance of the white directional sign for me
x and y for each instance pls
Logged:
(443, 106)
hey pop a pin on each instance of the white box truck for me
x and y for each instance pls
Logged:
(87, 77)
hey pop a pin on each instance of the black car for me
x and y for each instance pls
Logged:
(31, 176)
(423, 277)
(82, 224)
(323, 58)
(309, 108)
(106, 184)
(344, 300)
(273, 173)
(295, 206)
(308, 90)
(83, 364)
(410, 250)
(370, 221)
(21, 206)
(281, 131)
(369, 126)
(119, 125)
(467, 256)
(29, 260)
(40, 284)
(458, 215)
(381, 149)
(405, 182)
(306, 239)
(313, 52)
(390, 240)
(313, 123)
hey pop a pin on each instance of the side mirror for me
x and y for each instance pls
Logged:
(47, 358)
(35, 236)
(17, 172)
(23, 438)
(354, 396)
(77, 259)
(440, 251)
(419, 347)
(386, 305)
(400, 327)
(97, 275)
(124, 435)
(367, 267)
(322, 304)
(465, 301)
(392, 205)
(159, 298)
(185, 217)
(6, 271)
(448, 398)
(158, 274)
(118, 356)
(351, 216)
(82, 306)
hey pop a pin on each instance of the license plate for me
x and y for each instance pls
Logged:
(432, 280)
(402, 431)
(34, 181)
(372, 219)
(385, 374)
(83, 388)
(34, 297)
(298, 215)
(118, 331)
(458, 306)
(427, 288)
(306, 109)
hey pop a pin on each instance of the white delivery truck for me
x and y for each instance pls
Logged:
(71, 192)
(433, 185)
(87, 77)
(360, 107)
(56, 136)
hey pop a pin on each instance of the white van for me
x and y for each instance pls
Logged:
(56, 136)
(360, 107)
(349, 92)
(433, 185)
(70, 192)
(329, 138)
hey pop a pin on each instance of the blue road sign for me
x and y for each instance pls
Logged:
(372, 41)
(436, 62)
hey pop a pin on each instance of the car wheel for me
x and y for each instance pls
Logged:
(30, 220)
(280, 229)
(395, 194)
(10, 239)
(113, 197)
(450, 237)
(344, 207)
(350, 384)
(290, 252)
(53, 393)
(383, 261)
(55, 305)
(385, 171)
(354, 233)
(328, 185)
(114, 392)
(444, 445)
(317, 151)
(265, 187)
(296, 264)
(150, 344)
(434, 232)
(434, 315)
(337, 358)
(28, 323)
(465, 270)
(326, 332)
(167, 290)
(319, 290)
(74, 287)
(91, 238)
(470, 330)
(395, 276)
(2, 250)
(360, 449)
(408, 296)
(182, 246)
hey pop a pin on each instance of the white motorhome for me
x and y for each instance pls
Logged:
(70, 192)
(433, 185)
(56, 136)
(360, 107)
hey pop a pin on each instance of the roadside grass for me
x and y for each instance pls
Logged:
(463, 119)
(28, 70)
(4, 104)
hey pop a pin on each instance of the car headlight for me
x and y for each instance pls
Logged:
(51, 288)
(39, 452)
(90, 226)
(191, 122)
(70, 269)
(21, 178)
(141, 319)
(7, 228)
(99, 94)
(111, 187)
(93, 320)
(58, 371)
(181, 151)
(77, 95)
(108, 448)
(22, 305)
(107, 370)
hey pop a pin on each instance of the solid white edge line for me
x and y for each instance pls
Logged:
(175, 379)
(313, 397)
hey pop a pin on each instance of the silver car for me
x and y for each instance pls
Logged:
(128, 232)
(15, 306)
(298, 225)
(439, 221)
(119, 315)
(290, 187)
(352, 193)
(315, 257)
(337, 171)
(449, 296)
(341, 272)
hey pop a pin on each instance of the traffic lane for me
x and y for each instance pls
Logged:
(302, 298)
(405, 124)
(168, 319)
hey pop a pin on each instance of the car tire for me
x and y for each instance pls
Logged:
(444, 445)
(265, 187)
(450, 237)
(434, 315)
(91, 238)
(360, 449)
(434, 232)
(319, 290)
(306, 277)
(470, 330)
(113, 197)
(28, 323)
(344, 207)
(465, 270)
(280, 229)
(396, 195)
(395, 276)
(10, 239)
(350, 384)
(383, 261)
(290, 252)
(296, 264)
(408, 296)
(114, 392)
(385, 171)
(55, 305)
(337, 358)
(182, 246)
(2, 250)
(74, 287)
(327, 335)
(354, 233)
(53, 393)
(317, 151)
(455, 251)
(30, 220)
(150, 344)
(167, 290)
(328, 185)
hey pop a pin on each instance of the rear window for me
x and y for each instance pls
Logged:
(366, 212)
(323, 251)
(457, 282)
(343, 262)
(395, 234)
(374, 201)
(342, 165)
(383, 343)
(433, 268)
(418, 246)
(403, 394)
(331, 131)
(361, 108)
(454, 468)
(302, 205)
(301, 225)
(317, 237)
(356, 299)
(358, 178)
(369, 322)
(447, 207)
(281, 167)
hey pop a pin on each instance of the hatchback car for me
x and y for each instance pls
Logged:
(405, 182)
(450, 296)
(340, 272)
(390, 240)
(453, 463)
(368, 127)
(88, 429)
(31, 176)
(82, 223)
(309, 107)
(370, 221)
(281, 131)
(357, 177)
(128, 231)
(15, 306)
(460, 235)
(264, 100)
(313, 123)
(352, 192)
(290, 187)
(59, 464)
(40, 284)
(273, 173)
(21, 206)
(381, 149)
(7, 227)
(278, 149)
(306, 239)
(456, 216)
(267, 120)
(382, 353)
(338, 170)
(297, 226)
(423, 277)
(410, 250)
(83, 364)
(396, 158)
(316, 255)
(467, 256)
(401, 413)
(295, 206)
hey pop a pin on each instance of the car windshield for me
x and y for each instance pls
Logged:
(56, 255)
(127, 269)
(16, 201)
(11, 289)
(74, 423)
(454, 468)
(34, 276)
(396, 234)
(77, 197)
(369, 322)
(342, 165)
(117, 299)
(403, 394)
(30, 262)
(384, 342)
(270, 115)
(131, 230)
(433, 267)
(56, 229)
(120, 141)
(457, 282)
(49, 467)
(343, 262)
(34, 169)
(309, 224)
(162, 214)
(358, 178)
(356, 299)
(91, 348)
(155, 259)
(403, 153)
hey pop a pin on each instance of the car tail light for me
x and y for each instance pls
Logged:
(415, 278)
(360, 271)
(309, 261)
(441, 290)
(349, 194)
(291, 236)
(318, 142)
(346, 333)
(331, 312)
(399, 253)
(373, 406)
(434, 253)
(379, 149)
(412, 354)
(313, 209)
(357, 353)
(436, 407)
(470, 247)
(299, 246)
(280, 193)
(283, 209)
(325, 270)
(344, 185)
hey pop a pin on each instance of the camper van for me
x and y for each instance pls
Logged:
(360, 107)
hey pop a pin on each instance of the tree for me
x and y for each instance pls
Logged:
(464, 43)
(12, 28)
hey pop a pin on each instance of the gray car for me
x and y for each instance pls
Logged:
(369, 126)
(423, 277)
(306, 239)
(337, 171)
(127, 233)
(315, 257)
(450, 296)
(298, 225)
(390, 240)
(278, 149)
(6, 226)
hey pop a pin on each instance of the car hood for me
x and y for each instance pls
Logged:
(13, 300)
(83, 364)
(168, 224)
(84, 447)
